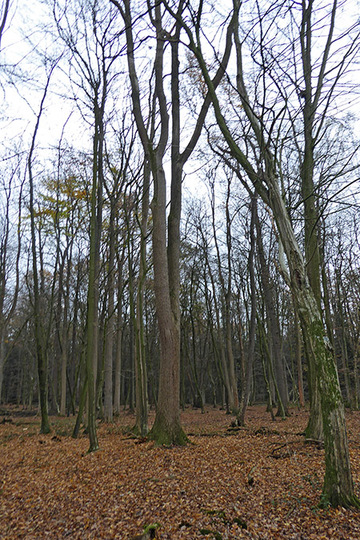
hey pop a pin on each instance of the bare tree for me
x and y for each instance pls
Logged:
(41, 350)
(9, 260)
(166, 233)
(94, 47)
(338, 486)
(4, 15)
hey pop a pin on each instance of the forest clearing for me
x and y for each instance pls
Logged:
(263, 481)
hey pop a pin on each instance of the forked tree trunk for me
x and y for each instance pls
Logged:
(167, 428)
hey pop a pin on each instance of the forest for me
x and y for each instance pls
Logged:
(179, 231)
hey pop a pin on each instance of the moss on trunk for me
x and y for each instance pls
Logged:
(167, 433)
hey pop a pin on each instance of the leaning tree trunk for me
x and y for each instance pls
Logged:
(338, 486)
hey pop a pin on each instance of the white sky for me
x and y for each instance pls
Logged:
(21, 43)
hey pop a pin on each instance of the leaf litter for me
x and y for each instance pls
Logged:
(259, 482)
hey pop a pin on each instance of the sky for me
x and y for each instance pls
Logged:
(24, 42)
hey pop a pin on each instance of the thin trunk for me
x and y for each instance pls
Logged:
(118, 357)
(227, 357)
(252, 331)
(273, 323)
(298, 347)
(140, 350)
(110, 326)
(92, 299)
(41, 353)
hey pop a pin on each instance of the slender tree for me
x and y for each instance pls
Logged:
(338, 486)
(166, 233)
(93, 48)
(41, 352)
(9, 264)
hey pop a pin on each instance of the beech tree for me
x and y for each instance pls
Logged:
(92, 42)
(338, 486)
(9, 257)
(166, 232)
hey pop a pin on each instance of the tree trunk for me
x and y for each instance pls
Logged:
(273, 323)
(338, 486)
(118, 357)
(92, 319)
(167, 428)
(252, 331)
(110, 325)
(298, 346)
(141, 425)
(41, 352)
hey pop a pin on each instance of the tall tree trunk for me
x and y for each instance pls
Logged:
(338, 486)
(252, 331)
(227, 356)
(92, 317)
(41, 352)
(273, 323)
(118, 356)
(110, 325)
(167, 427)
(140, 352)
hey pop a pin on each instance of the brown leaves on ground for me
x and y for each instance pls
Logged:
(263, 481)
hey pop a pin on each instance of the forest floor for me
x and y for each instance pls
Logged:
(260, 482)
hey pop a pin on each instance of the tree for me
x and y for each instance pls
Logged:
(338, 487)
(166, 233)
(274, 336)
(9, 261)
(115, 190)
(41, 351)
(92, 42)
(140, 352)
(252, 330)
(227, 354)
